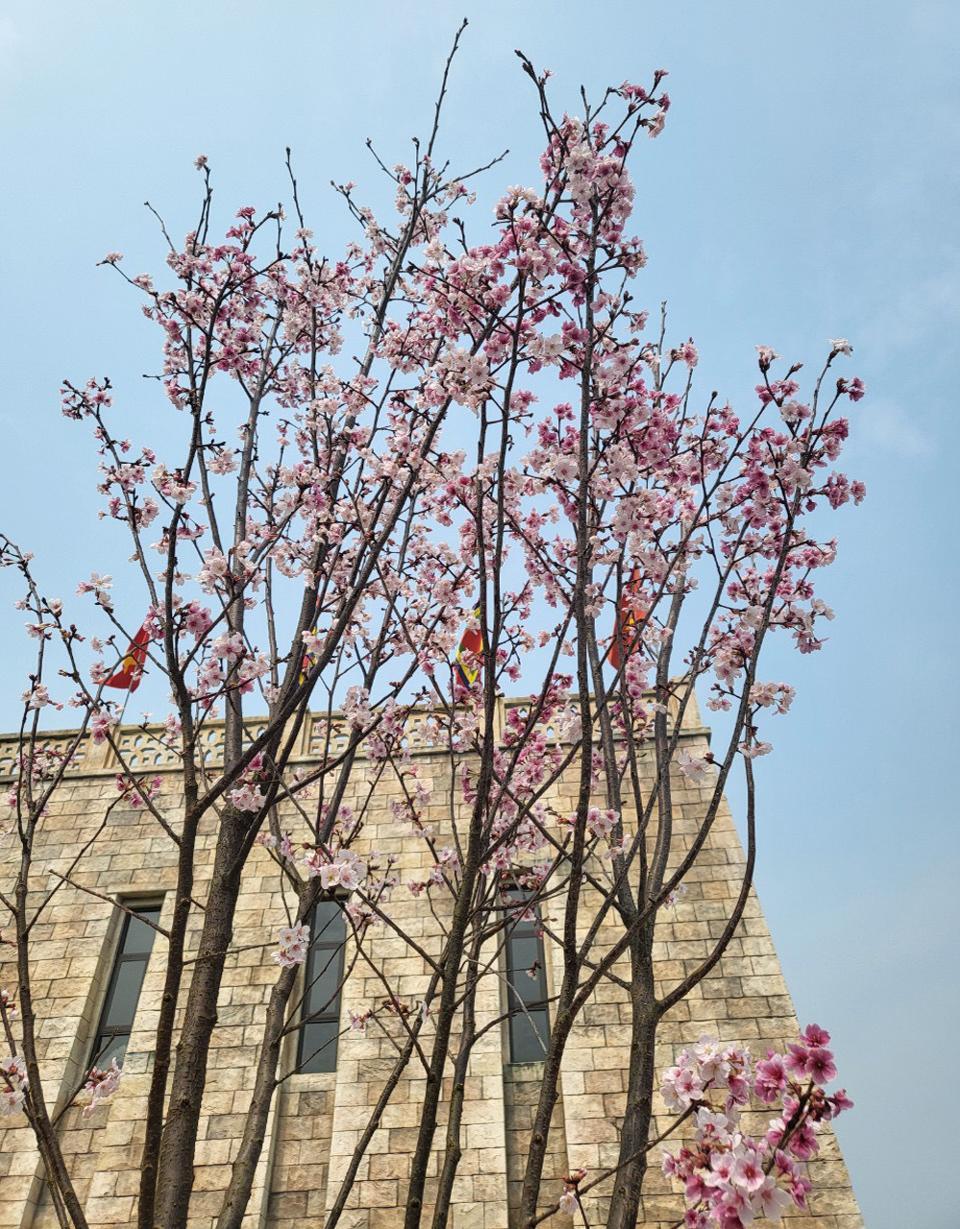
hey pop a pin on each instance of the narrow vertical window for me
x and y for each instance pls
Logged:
(526, 984)
(321, 998)
(123, 990)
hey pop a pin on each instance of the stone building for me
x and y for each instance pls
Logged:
(98, 977)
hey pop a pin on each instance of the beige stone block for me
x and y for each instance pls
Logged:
(109, 1211)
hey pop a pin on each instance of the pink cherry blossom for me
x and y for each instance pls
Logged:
(568, 1203)
(293, 944)
(102, 1085)
(312, 642)
(840, 1102)
(694, 767)
(98, 585)
(820, 1065)
(730, 1178)
(687, 353)
(172, 485)
(214, 570)
(343, 870)
(13, 1084)
(39, 697)
(756, 747)
(247, 797)
(356, 708)
(772, 1200)
(197, 620)
(681, 1085)
(747, 1170)
(771, 1078)
(101, 725)
(600, 823)
(224, 462)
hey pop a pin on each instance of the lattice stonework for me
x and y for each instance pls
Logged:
(58, 743)
(141, 750)
(317, 1116)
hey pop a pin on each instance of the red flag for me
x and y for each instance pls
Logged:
(469, 659)
(307, 662)
(629, 620)
(130, 673)
(309, 658)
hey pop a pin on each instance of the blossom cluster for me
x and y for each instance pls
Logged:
(249, 794)
(730, 1178)
(569, 1201)
(13, 1084)
(101, 1085)
(294, 943)
(283, 845)
(343, 869)
(138, 792)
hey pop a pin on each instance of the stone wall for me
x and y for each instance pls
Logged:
(317, 1118)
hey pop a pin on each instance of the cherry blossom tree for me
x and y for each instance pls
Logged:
(376, 451)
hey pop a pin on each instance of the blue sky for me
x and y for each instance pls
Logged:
(805, 188)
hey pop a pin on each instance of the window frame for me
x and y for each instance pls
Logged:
(529, 1015)
(335, 950)
(105, 1035)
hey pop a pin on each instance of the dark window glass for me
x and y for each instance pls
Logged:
(123, 992)
(109, 1046)
(321, 998)
(140, 936)
(526, 984)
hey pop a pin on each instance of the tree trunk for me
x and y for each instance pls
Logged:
(454, 1150)
(254, 1130)
(178, 1145)
(540, 1133)
(448, 995)
(173, 980)
(625, 1201)
(44, 1131)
